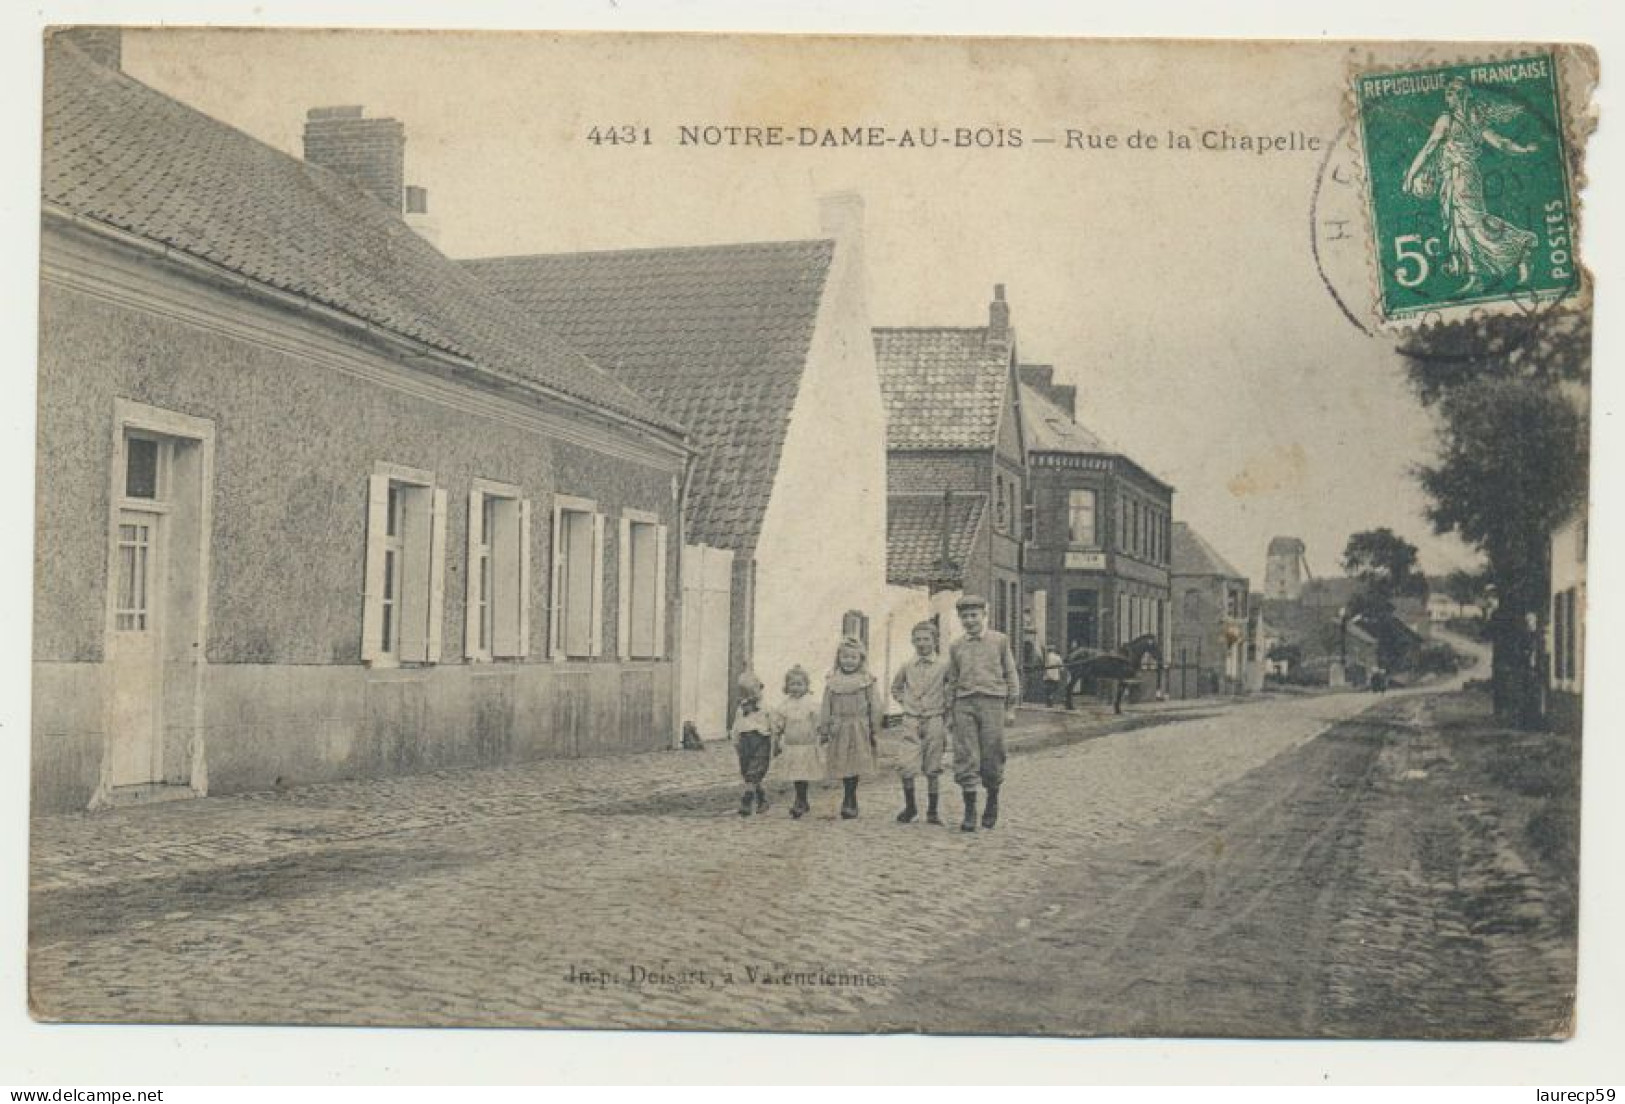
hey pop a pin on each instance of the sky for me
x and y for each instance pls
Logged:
(1177, 289)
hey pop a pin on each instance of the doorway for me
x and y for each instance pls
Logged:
(158, 571)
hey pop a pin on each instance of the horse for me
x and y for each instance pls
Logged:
(1121, 665)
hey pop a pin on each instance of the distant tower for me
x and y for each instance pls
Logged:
(1286, 570)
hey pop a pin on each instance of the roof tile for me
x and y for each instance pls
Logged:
(914, 531)
(944, 387)
(120, 153)
(716, 336)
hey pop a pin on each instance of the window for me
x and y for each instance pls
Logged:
(642, 628)
(1122, 619)
(146, 471)
(134, 555)
(497, 625)
(1002, 505)
(1081, 518)
(403, 597)
(1029, 515)
(1122, 524)
(855, 626)
(578, 582)
(1232, 602)
(1565, 635)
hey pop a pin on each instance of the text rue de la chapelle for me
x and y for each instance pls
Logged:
(986, 137)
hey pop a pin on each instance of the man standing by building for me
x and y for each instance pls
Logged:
(985, 684)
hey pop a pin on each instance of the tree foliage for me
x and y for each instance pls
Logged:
(1385, 565)
(1511, 465)
(1466, 587)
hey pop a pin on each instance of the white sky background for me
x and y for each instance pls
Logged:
(1178, 290)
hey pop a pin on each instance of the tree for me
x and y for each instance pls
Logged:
(1384, 563)
(1465, 588)
(1511, 467)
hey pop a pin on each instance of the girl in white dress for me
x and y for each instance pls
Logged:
(796, 739)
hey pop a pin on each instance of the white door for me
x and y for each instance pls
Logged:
(707, 619)
(135, 649)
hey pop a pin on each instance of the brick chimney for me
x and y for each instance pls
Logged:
(370, 152)
(1041, 378)
(1065, 396)
(104, 45)
(998, 318)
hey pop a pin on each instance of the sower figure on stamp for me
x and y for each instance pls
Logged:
(853, 710)
(985, 685)
(920, 687)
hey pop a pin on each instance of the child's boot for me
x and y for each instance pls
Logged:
(799, 809)
(910, 809)
(931, 816)
(849, 802)
(761, 801)
(990, 815)
(745, 802)
(969, 823)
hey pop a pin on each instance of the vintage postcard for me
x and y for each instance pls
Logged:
(810, 534)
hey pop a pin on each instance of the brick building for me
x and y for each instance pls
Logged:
(1097, 563)
(313, 502)
(953, 428)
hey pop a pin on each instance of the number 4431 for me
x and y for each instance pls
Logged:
(620, 136)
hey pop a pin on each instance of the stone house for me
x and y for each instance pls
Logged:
(1209, 619)
(761, 350)
(313, 501)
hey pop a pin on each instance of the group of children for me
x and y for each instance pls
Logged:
(971, 695)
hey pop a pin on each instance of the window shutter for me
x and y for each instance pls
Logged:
(414, 568)
(660, 592)
(623, 592)
(471, 565)
(505, 557)
(524, 577)
(372, 586)
(555, 590)
(437, 576)
(596, 629)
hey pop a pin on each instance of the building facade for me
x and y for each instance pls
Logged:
(953, 425)
(762, 351)
(312, 502)
(1100, 550)
(1210, 619)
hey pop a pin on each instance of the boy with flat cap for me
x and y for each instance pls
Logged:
(985, 685)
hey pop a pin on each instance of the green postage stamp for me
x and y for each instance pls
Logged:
(1468, 187)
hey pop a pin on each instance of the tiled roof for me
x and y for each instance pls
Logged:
(123, 155)
(716, 336)
(944, 387)
(914, 538)
(1193, 555)
(1048, 428)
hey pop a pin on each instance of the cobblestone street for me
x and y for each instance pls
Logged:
(627, 892)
